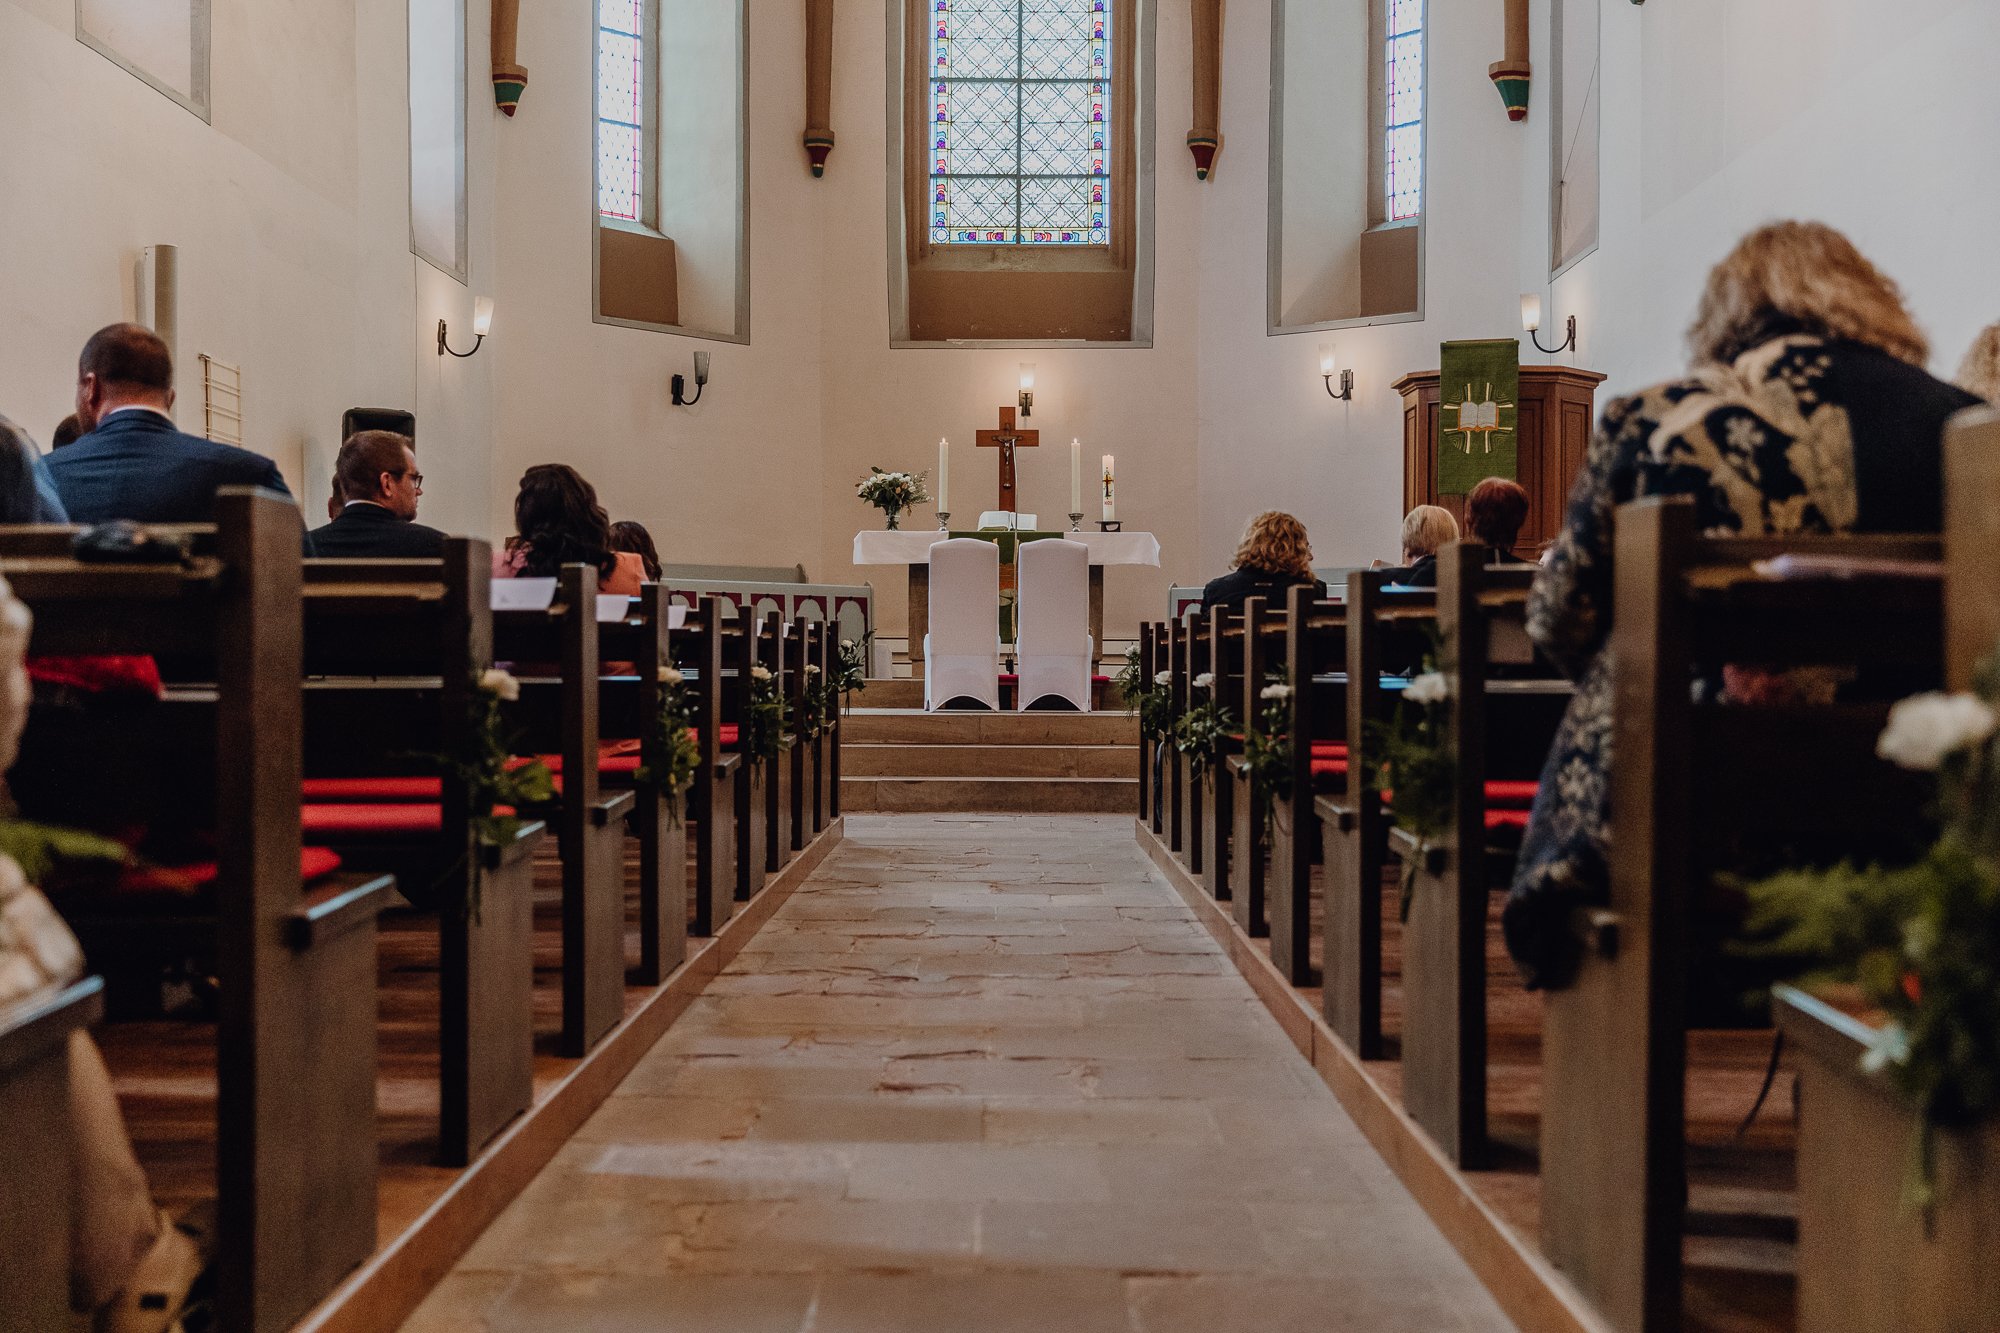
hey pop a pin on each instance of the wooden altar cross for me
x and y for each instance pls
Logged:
(1007, 440)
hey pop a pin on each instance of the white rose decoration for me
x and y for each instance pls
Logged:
(1925, 728)
(500, 683)
(760, 674)
(1205, 680)
(812, 669)
(1163, 678)
(1278, 692)
(671, 676)
(1429, 688)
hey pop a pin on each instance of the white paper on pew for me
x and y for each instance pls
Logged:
(612, 606)
(677, 617)
(523, 594)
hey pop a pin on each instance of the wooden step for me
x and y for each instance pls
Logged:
(911, 726)
(991, 761)
(908, 692)
(1098, 796)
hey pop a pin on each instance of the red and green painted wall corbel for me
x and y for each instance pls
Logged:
(510, 77)
(1512, 75)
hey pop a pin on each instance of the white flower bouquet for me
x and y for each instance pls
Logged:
(894, 493)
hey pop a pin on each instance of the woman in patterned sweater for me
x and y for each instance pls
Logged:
(1807, 410)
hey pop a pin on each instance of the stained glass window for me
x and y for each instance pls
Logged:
(621, 109)
(1403, 91)
(1021, 124)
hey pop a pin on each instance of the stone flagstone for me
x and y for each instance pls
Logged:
(980, 1073)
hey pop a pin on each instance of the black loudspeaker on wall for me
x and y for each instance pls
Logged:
(379, 418)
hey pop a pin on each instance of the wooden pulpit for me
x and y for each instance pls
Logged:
(1557, 414)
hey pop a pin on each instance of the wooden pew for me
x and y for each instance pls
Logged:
(698, 652)
(295, 1032)
(1180, 829)
(1262, 648)
(35, 1107)
(1382, 627)
(1690, 781)
(1500, 724)
(421, 632)
(753, 797)
(560, 716)
(1866, 1259)
(1223, 659)
(1315, 648)
(1198, 658)
(630, 709)
(1146, 670)
(775, 651)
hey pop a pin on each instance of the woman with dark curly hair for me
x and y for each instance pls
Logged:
(1274, 555)
(629, 535)
(557, 522)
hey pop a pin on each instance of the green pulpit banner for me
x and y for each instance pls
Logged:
(1008, 540)
(1478, 386)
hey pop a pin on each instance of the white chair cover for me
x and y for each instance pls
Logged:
(962, 650)
(1007, 518)
(1052, 626)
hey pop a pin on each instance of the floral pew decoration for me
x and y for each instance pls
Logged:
(497, 783)
(671, 752)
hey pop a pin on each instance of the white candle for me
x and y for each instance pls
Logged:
(944, 476)
(1110, 497)
(1076, 476)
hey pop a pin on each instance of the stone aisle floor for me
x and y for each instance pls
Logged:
(979, 1073)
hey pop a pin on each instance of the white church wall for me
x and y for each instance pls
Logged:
(735, 479)
(1719, 117)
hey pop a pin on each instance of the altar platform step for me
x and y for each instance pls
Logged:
(913, 726)
(907, 760)
(989, 795)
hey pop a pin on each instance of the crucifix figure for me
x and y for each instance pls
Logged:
(1007, 439)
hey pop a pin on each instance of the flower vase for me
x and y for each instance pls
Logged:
(894, 517)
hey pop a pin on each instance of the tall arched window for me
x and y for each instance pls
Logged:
(627, 110)
(1021, 129)
(1026, 196)
(1397, 108)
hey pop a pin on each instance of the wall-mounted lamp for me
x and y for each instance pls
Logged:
(700, 378)
(1531, 320)
(482, 324)
(1027, 399)
(1326, 373)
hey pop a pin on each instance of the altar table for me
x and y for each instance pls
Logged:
(912, 548)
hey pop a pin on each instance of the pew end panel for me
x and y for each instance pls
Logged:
(1867, 1260)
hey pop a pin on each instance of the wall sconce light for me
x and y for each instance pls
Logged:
(1531, 320)
(1326, 372)
(1027, 399)
(700, 378)
(482, 324)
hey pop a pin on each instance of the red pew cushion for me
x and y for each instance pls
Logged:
(187, 880)
(1329, 768)
(1516, 796)
(1506, 819)
(372, 789)
(729, 735)
(1329, 749)
(378, 820)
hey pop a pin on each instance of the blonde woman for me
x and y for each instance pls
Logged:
(1979, 373)
(1274, 555)
(1427, 529)
(1806, 409)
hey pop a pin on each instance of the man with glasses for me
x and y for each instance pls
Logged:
(377, 474)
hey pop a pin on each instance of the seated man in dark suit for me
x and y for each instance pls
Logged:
(377, 475)
(131, 462)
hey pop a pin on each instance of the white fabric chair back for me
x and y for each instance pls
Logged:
(1052, 623)
(962, 649)
(1007, 518)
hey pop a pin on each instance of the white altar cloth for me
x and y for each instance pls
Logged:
(911, 546)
